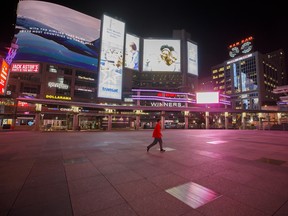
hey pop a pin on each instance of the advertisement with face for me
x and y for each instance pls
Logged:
(192, 60)
(132, 52)
(161, 55)
(48, 32)
(111, 63)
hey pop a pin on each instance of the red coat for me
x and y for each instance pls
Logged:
(157, 131)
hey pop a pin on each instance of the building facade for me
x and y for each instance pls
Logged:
(250, 79)
(53, 83)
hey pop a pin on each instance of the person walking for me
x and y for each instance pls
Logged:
(157, 137)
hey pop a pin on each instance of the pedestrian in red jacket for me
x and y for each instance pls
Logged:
(157, 136)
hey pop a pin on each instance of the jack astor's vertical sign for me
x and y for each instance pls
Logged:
(3, 76)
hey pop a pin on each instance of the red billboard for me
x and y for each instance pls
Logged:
(3, 76)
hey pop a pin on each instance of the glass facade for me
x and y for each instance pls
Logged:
(249, 81)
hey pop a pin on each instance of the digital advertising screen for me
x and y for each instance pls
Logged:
(161, 55)
(192, 58)
(132, 52)
(52, 33)
(207, 97)
(111, 58)
(4, 74)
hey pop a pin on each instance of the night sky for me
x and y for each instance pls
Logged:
(212, 26)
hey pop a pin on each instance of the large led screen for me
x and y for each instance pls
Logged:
(132, 52)
(52, 33)
(161, 55)
(192, 61)
(111, 58)
(207, 97)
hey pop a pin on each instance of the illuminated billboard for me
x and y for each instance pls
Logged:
(4, 74)
(111, 58)
(192, 58)
(207, 97)
(161, 55)
(132, 52)
(243, 46)
(48, 32)
(25, 67)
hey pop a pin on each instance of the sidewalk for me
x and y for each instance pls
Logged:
(202, 173)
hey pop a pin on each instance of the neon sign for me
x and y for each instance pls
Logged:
(171, 95)
(241, 47)
(58, 85)
(241, 42)
(58, 97)
(26, 68)
(3, 76)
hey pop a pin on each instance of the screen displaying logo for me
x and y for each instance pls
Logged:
(241, 47)
(111, 63)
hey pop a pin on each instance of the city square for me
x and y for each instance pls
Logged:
(202, 172)
(87, 89)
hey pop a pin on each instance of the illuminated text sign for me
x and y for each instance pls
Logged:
(58, 85)
(58, 97)
(3, 76)
(25, 68)
(166, 104)
(241, 47)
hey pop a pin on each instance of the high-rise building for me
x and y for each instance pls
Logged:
(250, 79)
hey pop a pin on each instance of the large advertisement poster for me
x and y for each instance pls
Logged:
(52, 33)
(111, 58)
(161, 55)
(192, 55)
(132, 52)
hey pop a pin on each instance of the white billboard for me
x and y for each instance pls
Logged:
(192, 58)
(161, 55)
(111, 58)
(207, 97)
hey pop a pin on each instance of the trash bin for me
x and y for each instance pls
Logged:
(6, 126)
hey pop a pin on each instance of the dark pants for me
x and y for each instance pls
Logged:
(156, 140)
